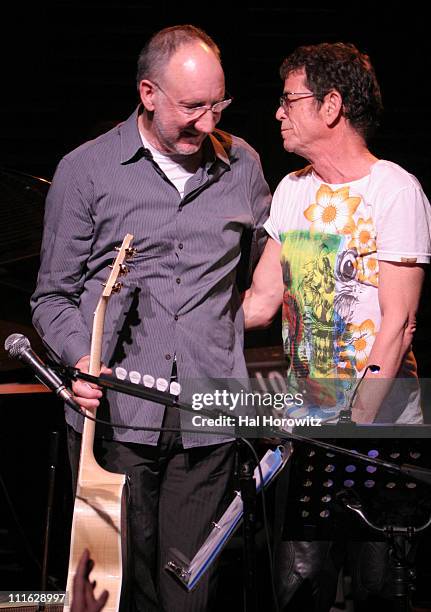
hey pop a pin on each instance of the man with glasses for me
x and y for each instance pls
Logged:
(191, 195)
(349, 237)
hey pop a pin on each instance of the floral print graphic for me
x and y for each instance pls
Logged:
(329, 268)
(364, 241)
(333, 211)
(363, 237)
(329, 264)
(370, 271)
(356, 343)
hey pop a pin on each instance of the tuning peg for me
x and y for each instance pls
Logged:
(120, 373)
(122, 269)
(131, 252)
(174, 388)
(135, 377)
(116, 288)
(162, 384)
(148, 380)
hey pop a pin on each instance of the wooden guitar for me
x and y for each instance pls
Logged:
(99, 513)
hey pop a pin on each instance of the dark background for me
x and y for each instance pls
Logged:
(68, 73)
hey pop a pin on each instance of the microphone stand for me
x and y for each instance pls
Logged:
(167, 399)
(53, 462)
(247, 486)
(401, 550)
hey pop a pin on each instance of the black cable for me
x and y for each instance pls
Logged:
(157, 429)
(265, 524)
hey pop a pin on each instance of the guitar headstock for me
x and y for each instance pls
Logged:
(119, 268)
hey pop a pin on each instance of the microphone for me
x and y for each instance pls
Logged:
(18, 347)
(346, 414)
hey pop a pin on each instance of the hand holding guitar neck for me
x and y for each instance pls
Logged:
(86, 394)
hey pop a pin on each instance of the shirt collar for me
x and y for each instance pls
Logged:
(220, 150)
(132, 149)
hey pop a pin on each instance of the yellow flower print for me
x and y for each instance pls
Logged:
(333, 211)
(363, 237)
(370, 271)
(356, 343)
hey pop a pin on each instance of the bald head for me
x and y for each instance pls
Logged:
(164, 44)
(194, 67)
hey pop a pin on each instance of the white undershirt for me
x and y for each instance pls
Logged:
(175, 172)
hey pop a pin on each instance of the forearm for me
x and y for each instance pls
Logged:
(259, 310)
(399, 292)
(392, 342)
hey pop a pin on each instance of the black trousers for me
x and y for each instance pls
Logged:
(307, 572)
(175, 494)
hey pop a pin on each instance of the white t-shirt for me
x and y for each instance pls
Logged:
(332, 237)
(176, 173)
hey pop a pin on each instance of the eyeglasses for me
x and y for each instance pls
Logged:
(286, 103)
(194, 112)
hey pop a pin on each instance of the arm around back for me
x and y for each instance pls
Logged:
(265, 296)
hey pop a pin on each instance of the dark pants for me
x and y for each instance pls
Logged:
(175, 494)
(307, 572)
(308, 575)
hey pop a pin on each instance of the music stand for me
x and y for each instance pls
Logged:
(334, 497)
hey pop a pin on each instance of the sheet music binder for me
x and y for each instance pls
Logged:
(189, 572)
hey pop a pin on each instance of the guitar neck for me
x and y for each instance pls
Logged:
(89, 468)
(96, 337)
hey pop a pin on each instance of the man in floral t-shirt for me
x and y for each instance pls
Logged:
(352, 235)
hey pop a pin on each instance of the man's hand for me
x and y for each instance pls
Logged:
(83, 599)
(86, 394)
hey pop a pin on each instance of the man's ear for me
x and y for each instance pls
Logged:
(146, 91)
(332, 107)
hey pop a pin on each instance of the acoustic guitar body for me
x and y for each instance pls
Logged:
(99, 524)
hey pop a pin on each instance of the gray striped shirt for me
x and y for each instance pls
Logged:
(180, 296)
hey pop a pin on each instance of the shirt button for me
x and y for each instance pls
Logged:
(176, 317)
(180, 246)
(178, 280)
(167, 357)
